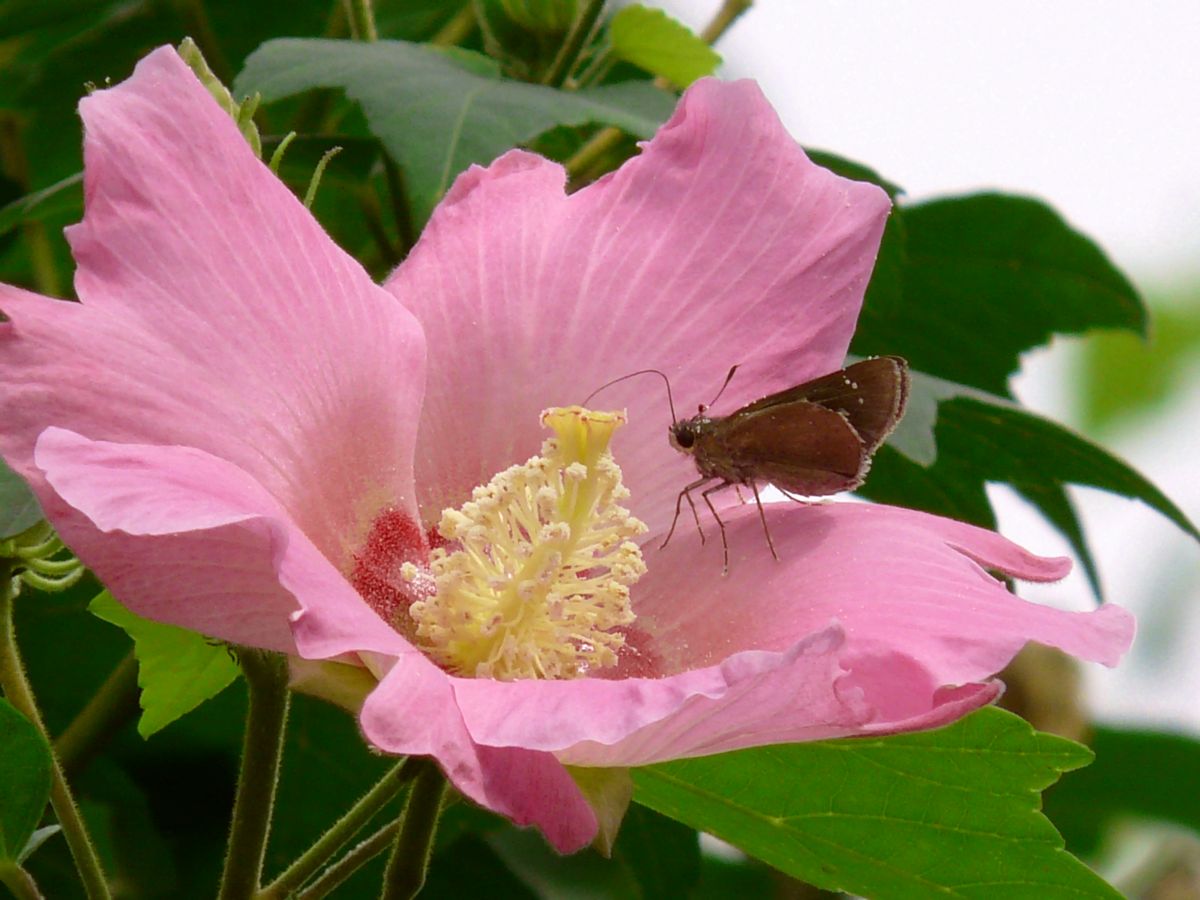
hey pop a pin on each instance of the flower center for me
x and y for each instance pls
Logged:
(538, 586)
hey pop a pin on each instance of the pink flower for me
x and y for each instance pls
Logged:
(242, 434)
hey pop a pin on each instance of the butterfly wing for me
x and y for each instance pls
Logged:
(870, 394)
(799, 446)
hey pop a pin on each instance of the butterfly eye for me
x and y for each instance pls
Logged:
(684, 437)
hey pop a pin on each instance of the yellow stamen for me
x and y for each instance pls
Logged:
(539, 584)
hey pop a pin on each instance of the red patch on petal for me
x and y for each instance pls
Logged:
(394, 540)
(637, 659)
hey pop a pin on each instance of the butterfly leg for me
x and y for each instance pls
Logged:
(686, 492)
(762, 516)
(712, 509)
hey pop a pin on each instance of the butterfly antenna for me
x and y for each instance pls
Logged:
(724, 384)
(660, 374)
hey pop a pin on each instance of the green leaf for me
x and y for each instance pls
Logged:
(437, 114)
(177, 669)
(24, 780)
(652, 40)
(952, 812)
(1137, 773)
(855, 171)
(982, 438)
(19, 509)
(969, 283)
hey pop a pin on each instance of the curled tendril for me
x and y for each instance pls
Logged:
(41, 560)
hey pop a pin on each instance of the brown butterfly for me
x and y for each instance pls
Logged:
(815, 438)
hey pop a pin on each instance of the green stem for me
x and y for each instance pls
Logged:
(350, 863)
(582, 27)
(262, 747)
(595, 70)
(406, 868)
(593, 150)
(362, 20)
(457, 29)
(111, 707)
(19, 693)
(341, 831)
(19, 882)
(729, 13)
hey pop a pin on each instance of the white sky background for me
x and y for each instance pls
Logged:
(1095, 107)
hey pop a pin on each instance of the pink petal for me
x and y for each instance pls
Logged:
(189, 538)
(215, 314)
(414, 711)
(875, 620)
(898, 581)
(236, 567)
(720, 244)
(586, 717)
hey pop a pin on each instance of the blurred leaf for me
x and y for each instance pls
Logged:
(969, 283)
(433, 113)
(663, 855)
(652, 40)
(19, 509)
(1121, 376)
(654, 856)
(551, 875)
(177, 669)
(138, 856)
(470, 867)
(952, 812)
(721, 879)
(24, 780)
(63, 196)
(1136, 773)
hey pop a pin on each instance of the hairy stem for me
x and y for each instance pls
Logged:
(580, 29)
(332, 877)
(729, 13)
(340, 832)
(362, 20)
(457, 29)
(262, 747)
(19, 692)
(406, 868)
(18, 881)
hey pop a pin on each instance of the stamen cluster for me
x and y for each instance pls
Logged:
(536, 581)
